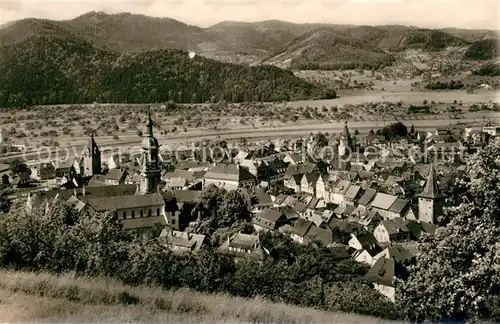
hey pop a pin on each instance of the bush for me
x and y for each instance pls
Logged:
(127, 299)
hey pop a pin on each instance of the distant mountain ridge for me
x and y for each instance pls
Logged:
(247, 42)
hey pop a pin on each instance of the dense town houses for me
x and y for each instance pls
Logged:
(374, 202)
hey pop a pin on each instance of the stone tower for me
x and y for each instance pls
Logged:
(430, 201)
(345, 143)
(91, 159)
(150, 168)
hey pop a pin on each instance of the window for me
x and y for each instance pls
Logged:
(124, 214)
(133, 214)
(142, 213)
(158, 212)
(173, 221)
(149, 212)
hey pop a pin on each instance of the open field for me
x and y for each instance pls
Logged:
(41, 297)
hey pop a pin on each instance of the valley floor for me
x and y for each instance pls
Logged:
(45, 298)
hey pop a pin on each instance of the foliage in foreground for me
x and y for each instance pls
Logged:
(58, 240)
(457, 276)
(98, 300)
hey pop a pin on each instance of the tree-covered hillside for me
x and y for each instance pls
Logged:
(430, 40)
(55, 70)
(484, 49)
(328, 49)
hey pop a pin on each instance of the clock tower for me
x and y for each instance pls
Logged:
(150, 168)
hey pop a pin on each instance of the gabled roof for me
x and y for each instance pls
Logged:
(280, 199)
(383, 201)
(126, 202)
(262, 198)
(431, 189)
(352, 192)
(229, 172)
(244, 241)
(399, 253)
(115, 174)
(325, 236)
(299, 207)
(342, 186)
(288, 211)
(384, 271)
(394, 226)
(311, 178)
(301, 227)
(187, 196)
(399, 205)
(182, 239)
(63, 164)
(271, 215)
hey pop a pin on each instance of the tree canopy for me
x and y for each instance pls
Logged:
(69, 70)
(457, 276)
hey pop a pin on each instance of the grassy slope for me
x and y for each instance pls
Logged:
(43, 297)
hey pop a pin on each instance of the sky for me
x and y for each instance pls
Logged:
(478, 14)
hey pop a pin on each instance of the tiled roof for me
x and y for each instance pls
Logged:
(271, 215)
(383, 201)
(325, 236)
(232, 172)
(394, 226)
(342, 186)
(244, 241)
(115, 174)
(367, 197)
(352, 192)
(187, 196)
(384, 270)
(126, 202)
(399, 205)
(301, 227)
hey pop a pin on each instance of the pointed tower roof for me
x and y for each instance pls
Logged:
(431, 189)
(345, 132)
(91, 144)
(149, 141)
(149, 124)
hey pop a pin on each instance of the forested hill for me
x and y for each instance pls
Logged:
(67, 69)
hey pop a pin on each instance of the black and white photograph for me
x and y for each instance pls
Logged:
(250, 161)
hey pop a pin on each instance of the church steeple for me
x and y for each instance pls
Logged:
(150, 175)
(345, 143)
(91, 158)
(149, 125)
(346, 130)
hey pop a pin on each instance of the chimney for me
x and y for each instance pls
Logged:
(83, 190)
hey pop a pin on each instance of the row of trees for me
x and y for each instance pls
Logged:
(451, 85)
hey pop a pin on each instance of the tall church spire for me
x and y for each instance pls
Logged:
(346, 130)
(149, 125)
(150, 175)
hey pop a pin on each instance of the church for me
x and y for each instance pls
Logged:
(138, 205)
(345, 147)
